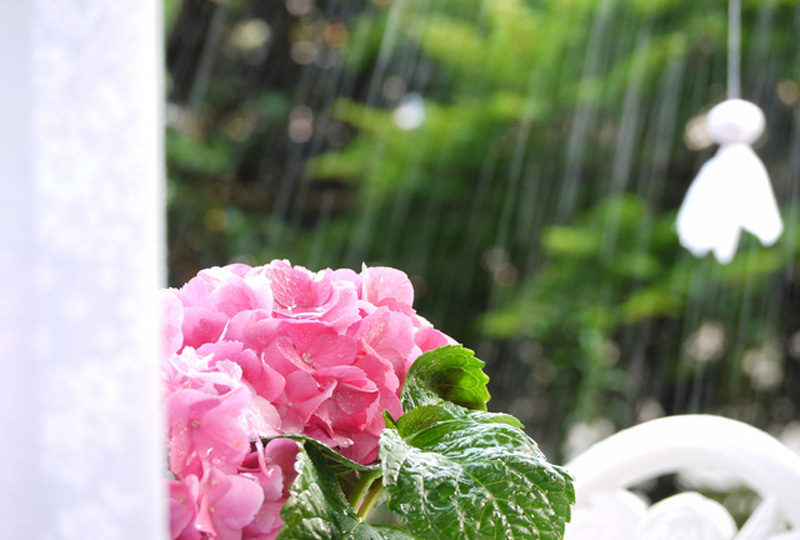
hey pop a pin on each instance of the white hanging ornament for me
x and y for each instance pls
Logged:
(732, 191)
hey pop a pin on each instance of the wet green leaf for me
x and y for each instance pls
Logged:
(317, 508)
(423, 417)
(450, 373)
(334, 461)
(479, 479)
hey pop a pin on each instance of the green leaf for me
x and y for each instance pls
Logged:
(196, 156)
(570, 241)
(388, 532)
(450, 373)
(654, 301)
(317, 508)
(334, 461)
(426, 416)
(479, 480)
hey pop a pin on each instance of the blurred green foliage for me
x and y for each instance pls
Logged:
(533, 206)
(601, 277)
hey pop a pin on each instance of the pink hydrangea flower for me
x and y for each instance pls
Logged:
(253, 353)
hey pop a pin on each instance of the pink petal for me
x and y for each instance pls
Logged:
(260, 334)
(380, 371)
(282, 355)
(390, 335)
(171, 323)
(240, 324)
(206, 426)
(295, 288)
(342, 276)
(238, 295)
(428, 338)
(261, 419)
(381, 284)
(283, 453)
(238, 506)
(319, 345)
(303, 396)
(266, 524)
(195, 293)
(270, 384)
(328, 350)
(183, 508)
(341, 310)
(238, 269)
(201, 325)
(228, 503)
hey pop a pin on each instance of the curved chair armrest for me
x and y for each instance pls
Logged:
(673, 443)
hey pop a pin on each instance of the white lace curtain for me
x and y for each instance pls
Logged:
(81, 260)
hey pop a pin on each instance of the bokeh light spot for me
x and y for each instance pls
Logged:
(789, 92)
(335, 35)
(303, 52)
(707, 343)
(394, 88)
(301, 124)
(696, 135)
(215, 220)
(298, 7)
(764, 368)
(250, 35)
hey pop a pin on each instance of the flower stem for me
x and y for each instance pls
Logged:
(371, 498)
(362, 488)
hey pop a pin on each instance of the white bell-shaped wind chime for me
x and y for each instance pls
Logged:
(732, 191)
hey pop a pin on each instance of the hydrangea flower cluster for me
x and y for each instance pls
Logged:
(254, 353)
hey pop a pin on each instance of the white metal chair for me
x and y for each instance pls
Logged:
(605, 509)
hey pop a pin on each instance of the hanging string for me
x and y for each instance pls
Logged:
(734, 48)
